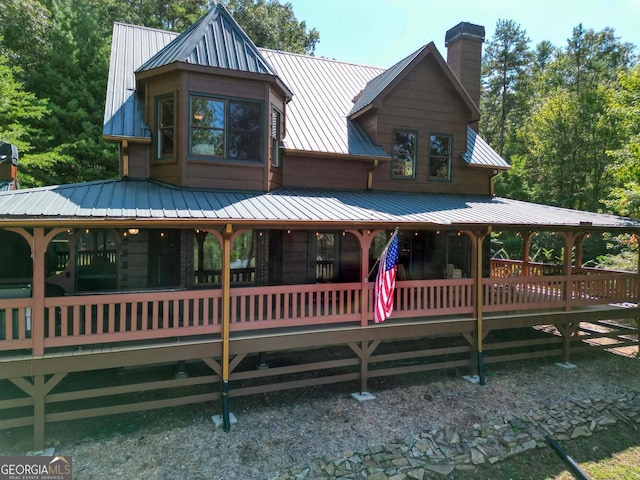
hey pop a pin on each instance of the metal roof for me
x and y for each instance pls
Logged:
(215, 40)
(317, 116)
(479, 153)
(131, 46)
(146, 200)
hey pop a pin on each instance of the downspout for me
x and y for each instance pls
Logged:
(226, 318)
(125, 158)
(370, 175)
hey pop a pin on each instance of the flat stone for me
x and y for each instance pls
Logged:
(378, 476)
(476, 457)
(582, 431)
(417, 474)
(441, 469)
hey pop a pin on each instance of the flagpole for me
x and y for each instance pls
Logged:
(395, 232)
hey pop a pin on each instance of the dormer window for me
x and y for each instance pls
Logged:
(440, 147)
(225, 128)
(165, 131)
(403, 153)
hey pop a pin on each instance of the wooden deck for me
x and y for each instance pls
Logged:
(57, 371)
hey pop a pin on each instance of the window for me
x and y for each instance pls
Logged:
(403, 154)
(207, 259)
(440, 157)
(165, 123)
(276, 133)
(225, 128)
(96, 260)
(325, 257)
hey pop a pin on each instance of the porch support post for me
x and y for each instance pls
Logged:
(569, 241)
(38, 244)
(526, 247)
(365, 238)
(226, 319)
(478, 306)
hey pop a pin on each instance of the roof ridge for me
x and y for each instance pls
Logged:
(159, 30)
(283, 52)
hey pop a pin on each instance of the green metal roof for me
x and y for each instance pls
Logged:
(146, 200)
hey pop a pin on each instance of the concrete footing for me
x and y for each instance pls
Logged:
(363, 396)
(218, 421)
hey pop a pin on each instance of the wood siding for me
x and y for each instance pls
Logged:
(425, 101)
(325, 172)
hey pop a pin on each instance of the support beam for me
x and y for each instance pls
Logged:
(226, 319)
(478, 304)
(364, 350)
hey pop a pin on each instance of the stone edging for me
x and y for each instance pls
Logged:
(443, 451)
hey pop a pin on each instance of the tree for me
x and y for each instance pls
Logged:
(18, 108)
(504, 65)
(271, 24)
(625, 107)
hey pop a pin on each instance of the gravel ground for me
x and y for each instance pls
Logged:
(278, 431)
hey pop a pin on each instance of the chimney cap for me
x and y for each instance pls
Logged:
(8, 151)
(464, 30)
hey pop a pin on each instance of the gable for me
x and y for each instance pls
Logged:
(378, 88)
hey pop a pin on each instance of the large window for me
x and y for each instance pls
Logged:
(403, 153)
(440, 147)
(96, 260)
(225, 128)
(207, 259)
(165, 128)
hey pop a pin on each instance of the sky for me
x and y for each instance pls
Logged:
(380, 33)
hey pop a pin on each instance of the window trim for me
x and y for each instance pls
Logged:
(227, 102)
(157, 155)
(449, 160)
(415, 155)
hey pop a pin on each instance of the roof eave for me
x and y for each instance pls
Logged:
(223, 72)
(342, 156)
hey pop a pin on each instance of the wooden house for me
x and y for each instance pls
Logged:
(257, 190)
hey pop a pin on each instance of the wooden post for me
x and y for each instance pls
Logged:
(569, 240)
(478, 307)
(526, 247)
(365, 239)
(39, 393)
(226, 319)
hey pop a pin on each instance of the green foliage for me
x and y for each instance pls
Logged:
(19, 108)
(504, 66)
(569, 128)
(59, 50)
(271, 24)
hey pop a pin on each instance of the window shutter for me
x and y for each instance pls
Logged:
(275, 119)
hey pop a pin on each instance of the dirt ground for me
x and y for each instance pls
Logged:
(280, 430)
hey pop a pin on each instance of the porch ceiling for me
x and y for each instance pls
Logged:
(145, 201)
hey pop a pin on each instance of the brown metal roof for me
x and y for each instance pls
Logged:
(153, 202)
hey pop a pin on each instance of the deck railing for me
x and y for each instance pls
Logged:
(107, 318)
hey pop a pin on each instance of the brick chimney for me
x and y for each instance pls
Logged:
(464, 56)
(8, 166)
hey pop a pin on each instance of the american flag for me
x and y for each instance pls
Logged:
(386, 281)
